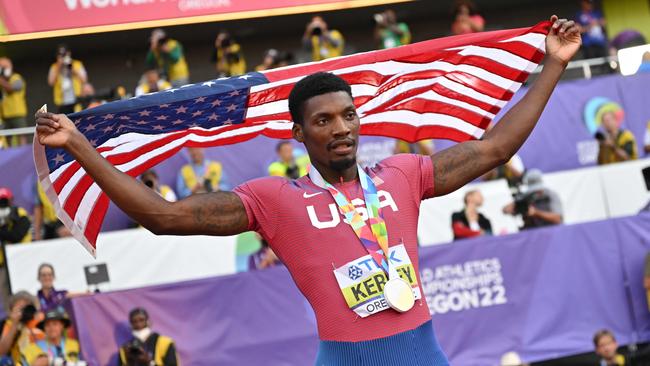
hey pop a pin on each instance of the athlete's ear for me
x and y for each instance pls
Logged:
(296, 131)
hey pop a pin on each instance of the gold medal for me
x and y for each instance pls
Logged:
(399, 295)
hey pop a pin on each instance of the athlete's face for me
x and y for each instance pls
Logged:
(330, 132)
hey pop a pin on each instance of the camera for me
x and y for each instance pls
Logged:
(5, 211)
(599, 136)
(317, 31)
(149, 183)
(522, 203)
(135, 348)
(5, 72)
(161, 41)
(207, 184)
(28, 313)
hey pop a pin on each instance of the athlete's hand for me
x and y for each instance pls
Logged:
(55, 130)
(563, 40)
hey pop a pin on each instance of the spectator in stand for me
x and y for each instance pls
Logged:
(605, 347)
(272, 59)
(468, 222)
(645, 63)
(166, 55)
(466, 18)
(422, 147)
(19, 329)
(46, 224)
(66, 77)
(321, 41)
(151, 83)
(14, 107)
(646, 139)
(150, 179)
(49, 298)
(56, 348)
(615, 143)
(592, 23)
(287, 164)
(228, 56)
(200, 175)
(146, 347)
(539, 206)
(388, 32)
(14, 220)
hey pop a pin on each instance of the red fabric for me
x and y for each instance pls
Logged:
(278, 209)
(462, 231)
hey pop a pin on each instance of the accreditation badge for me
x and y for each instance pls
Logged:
(362, 281)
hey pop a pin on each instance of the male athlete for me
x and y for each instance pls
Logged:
(347, 235)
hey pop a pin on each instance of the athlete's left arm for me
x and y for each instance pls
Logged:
(459, 165)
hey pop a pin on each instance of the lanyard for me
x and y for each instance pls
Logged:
(373, 235)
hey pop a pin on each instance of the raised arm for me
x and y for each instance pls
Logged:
(220, 213)
(460, 164)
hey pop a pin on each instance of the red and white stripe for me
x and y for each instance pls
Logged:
(447, 88)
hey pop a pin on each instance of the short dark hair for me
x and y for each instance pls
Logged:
(280, 144)
(311, 86)
(137, 311)
(602, 333)
(44, 265)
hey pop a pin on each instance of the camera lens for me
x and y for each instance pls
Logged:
(4, 202)
(148, 183)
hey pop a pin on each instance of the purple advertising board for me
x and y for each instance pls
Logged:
(541, 293)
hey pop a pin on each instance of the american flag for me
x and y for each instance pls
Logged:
(444, 88)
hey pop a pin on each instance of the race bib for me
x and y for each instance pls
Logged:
(362, 282)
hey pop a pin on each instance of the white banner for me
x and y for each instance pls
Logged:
(134, 258)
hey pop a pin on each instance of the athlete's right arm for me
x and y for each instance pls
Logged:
(219, 213)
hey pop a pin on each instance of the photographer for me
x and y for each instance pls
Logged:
(14, 221)
(56, 348)
(388, 32)
(66, 77)
(538, 206)
(322, 43)
(151, 83)
(14, 107)
(150, 179)
(200, 176)
(227, 56)
(19, 329)
(166, 55)
(615, 143)
(146, 347)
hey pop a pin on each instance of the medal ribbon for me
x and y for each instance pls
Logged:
(373, 236)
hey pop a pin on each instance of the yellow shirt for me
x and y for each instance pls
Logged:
(322, 50)
(76, 82)
(624, 140)
(13, 103)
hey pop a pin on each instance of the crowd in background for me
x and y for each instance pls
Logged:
(37, 330)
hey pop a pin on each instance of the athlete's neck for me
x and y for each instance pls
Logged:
(333, 176)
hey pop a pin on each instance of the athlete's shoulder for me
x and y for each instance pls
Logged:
(404, 162)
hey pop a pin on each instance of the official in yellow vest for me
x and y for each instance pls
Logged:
(322, 43)
(166, 55)
(615, 144)
(13, 105)
(287, 165)
(55, 346)
(66, 77)
(147, 347)
(151, 83)
(200, 176)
